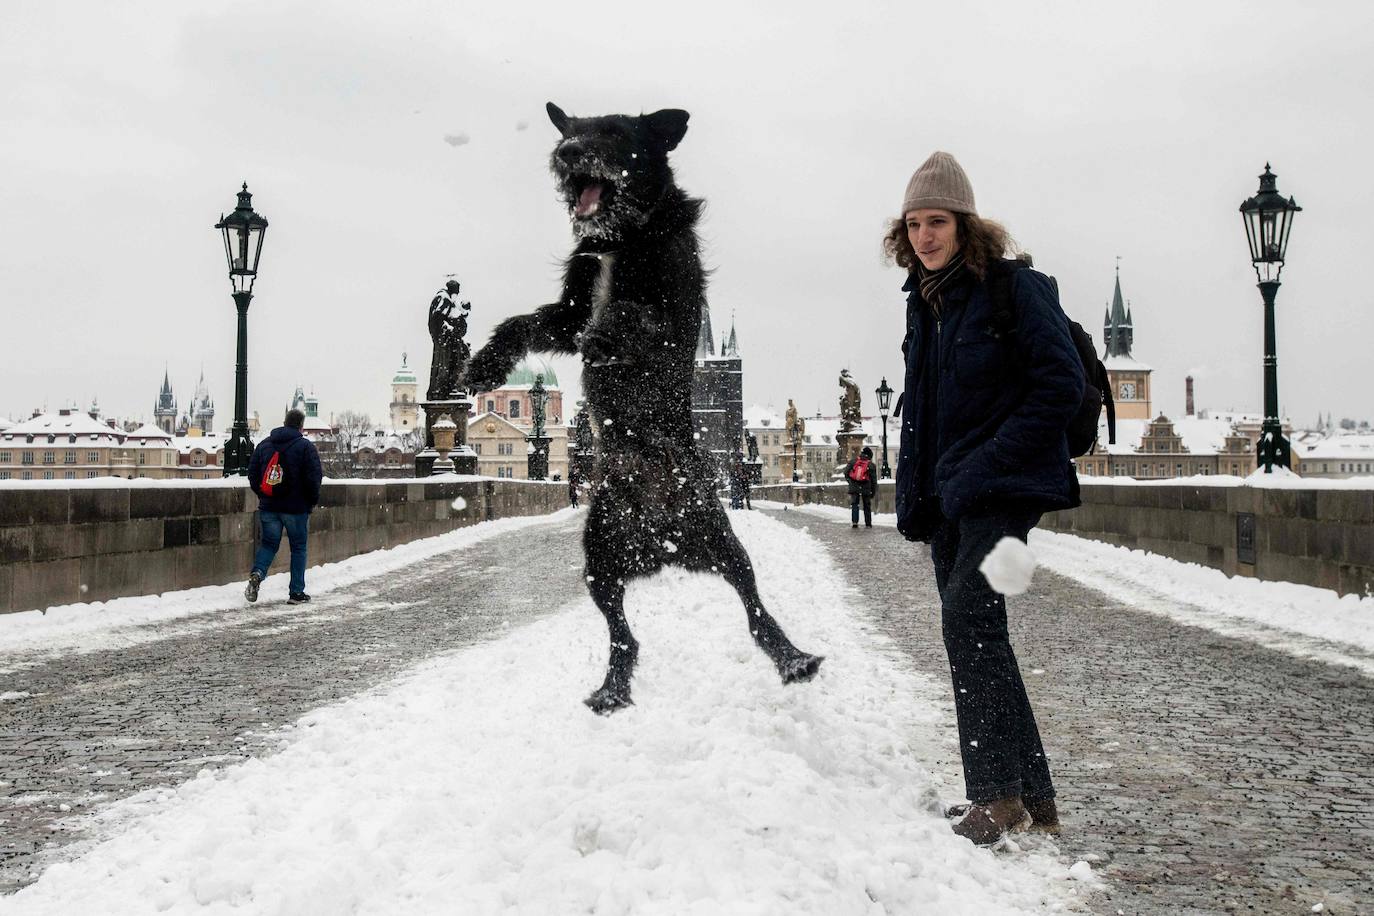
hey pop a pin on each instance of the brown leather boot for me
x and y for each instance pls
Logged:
(984, 825)
(1044, 814)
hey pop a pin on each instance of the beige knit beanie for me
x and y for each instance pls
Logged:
(939, 184)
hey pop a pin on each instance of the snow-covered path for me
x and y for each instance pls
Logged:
(1210, 738)
(478, 783)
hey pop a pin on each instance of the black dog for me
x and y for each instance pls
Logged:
(633, 290)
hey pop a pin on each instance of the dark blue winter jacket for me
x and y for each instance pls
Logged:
(299, 490)
(984, 410)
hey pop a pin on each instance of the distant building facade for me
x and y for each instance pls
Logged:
(503, 418)
(718, 393)
(72, 445)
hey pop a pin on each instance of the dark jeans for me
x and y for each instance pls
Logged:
(296, 527)
(998, 739)
(854, 508)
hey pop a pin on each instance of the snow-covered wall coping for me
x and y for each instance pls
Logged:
(99, 540)
(1278, 527)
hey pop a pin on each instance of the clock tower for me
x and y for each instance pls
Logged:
(1129, 377)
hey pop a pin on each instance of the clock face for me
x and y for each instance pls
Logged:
(1127, 391)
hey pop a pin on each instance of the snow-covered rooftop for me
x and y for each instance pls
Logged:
(1129, 363)
(74, 423)
(1339, 447)
(1201, 435)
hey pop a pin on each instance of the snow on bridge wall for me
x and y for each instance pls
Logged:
(61, 545)
(1311, 534)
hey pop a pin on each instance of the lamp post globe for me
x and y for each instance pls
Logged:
(1268, 218)
(243, 231)
(884, 392)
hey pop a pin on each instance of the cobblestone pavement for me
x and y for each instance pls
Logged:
(102, 726)
(1211, 775)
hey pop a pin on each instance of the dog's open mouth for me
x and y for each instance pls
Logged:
(590, 195)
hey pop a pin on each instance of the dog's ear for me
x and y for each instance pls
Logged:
(668, 125)
(559, 119)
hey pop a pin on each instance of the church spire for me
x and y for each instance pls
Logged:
(1118, 330)
(731, 347)
(706, 344)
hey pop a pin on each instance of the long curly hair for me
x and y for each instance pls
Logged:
(981, 240)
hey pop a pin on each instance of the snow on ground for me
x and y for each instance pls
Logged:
(479, 783)
(1300, 619)
(100, 625)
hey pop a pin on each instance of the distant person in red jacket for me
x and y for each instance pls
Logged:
(285, 473)
(863, 484)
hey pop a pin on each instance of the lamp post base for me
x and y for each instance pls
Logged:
(238, 451)
(1274, 449)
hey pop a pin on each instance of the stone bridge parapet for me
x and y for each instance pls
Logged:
(67, 544)
(1313, 535)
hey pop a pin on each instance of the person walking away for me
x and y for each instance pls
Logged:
(574, 480)
(285, 473)
(992, 380)
(863, 485)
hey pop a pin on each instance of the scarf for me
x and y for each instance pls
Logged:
(934, 283)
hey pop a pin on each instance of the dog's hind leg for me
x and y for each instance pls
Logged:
(614, 692)
(732, 561)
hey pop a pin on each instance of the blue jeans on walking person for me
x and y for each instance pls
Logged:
(296, 526)
(998, 738)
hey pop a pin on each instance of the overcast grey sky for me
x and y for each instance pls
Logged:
(1091, 129)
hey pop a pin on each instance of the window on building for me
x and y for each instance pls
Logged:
(68, 456)
(49, 456)
(26, 475)
(92, 457)
(4, 475)
(47, 475)
(69, 475)
(477, 447)
(92, 474)
(5, 458)
(491, 405)
(514, 409)
(142, 458)
(1178, 470)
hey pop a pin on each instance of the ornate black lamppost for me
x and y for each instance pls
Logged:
(884, 393)
(243, 232)
(1268, 220)
(537, 461)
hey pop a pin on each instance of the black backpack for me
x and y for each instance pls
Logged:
(1097, 388)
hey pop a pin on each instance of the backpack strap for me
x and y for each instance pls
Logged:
(1001, 277)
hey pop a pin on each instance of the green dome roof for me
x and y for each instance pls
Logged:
(524, 374)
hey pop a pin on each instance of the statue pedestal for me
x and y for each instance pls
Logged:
(755, 467)
(537, 458)
(463, 457)
(850, 444)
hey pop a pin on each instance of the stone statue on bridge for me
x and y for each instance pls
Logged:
(448, 325)
(851, 416)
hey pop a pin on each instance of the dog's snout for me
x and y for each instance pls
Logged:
(570, 151)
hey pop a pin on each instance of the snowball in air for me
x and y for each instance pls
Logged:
(460, 504)
(1009, 566)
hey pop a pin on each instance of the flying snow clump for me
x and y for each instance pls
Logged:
(1009, 566)
(459, 139)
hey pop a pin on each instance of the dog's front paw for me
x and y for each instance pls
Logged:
(599, 349)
